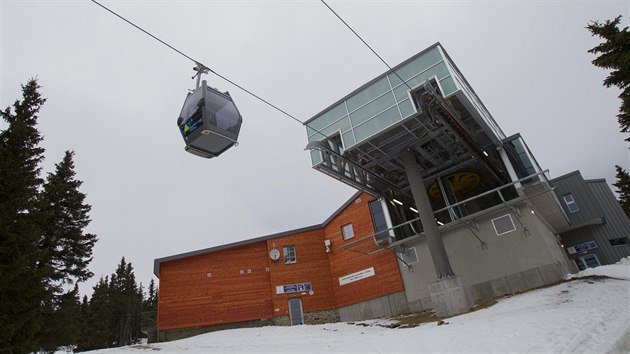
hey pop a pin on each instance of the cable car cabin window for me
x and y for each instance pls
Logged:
(226, 113)
(190, 106)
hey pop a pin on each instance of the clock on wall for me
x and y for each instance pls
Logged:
(274, 254)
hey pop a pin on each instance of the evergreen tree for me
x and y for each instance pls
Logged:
(150, 304)
(62, 322)
(42, 243)
(126, 305)
(112, 316)
(614, 55)
(97, 317)
(623, 188)
(65, 249)
(149, 312)
(21, 289)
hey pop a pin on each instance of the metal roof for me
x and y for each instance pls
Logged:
(158, 261)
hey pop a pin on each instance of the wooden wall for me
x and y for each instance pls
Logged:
(189, 298)
(239, 284)
(311, 266)
(343, 262)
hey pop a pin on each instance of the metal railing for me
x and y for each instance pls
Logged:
(455, 211)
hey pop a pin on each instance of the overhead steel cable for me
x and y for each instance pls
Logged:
(210, 70)
(366, 44)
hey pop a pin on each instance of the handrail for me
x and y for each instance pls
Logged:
(495, 190)
(491, 191)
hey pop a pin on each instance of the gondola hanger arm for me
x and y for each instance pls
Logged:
(200, 69)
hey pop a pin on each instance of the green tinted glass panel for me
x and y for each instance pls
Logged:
(343, 124)
(372, 108)
(448, 86)
(368, 94)
(316, 157)
(419, 64)
(313, 135)
(348, 139)
(406, 109)
(394, 80)
(401, 92)
(329, 116)
(377, 123)
(440, 70)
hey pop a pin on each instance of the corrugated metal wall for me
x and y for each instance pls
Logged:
(617, 223)
(595, 201)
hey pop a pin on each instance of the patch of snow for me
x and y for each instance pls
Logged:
(590, 315)
(620, 270)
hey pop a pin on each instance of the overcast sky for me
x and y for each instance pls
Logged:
(114, 95)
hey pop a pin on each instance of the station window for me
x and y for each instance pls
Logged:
(619, 241)
(410, 256)
(347, 231)
(503, 224)
(570, 202)
(289, 254)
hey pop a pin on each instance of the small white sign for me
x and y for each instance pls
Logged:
(365, 273)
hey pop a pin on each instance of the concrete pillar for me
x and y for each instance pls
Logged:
(449, 294)
(434, 241)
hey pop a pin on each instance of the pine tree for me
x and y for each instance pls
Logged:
(97, 318)
(112, 316)
(623, 188)
(152, 294)
(126, 304)
(62, 322)
(149, 312)
(614, 55)
(21, 289)
(66, 250)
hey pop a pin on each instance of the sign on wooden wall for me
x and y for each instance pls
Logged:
(356, 276)
(293, 288)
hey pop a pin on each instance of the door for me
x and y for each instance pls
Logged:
(588, 261)
(295, 311)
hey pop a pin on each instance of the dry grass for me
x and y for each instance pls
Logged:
(144, 346)
(429, 316)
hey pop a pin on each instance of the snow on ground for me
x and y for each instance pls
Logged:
(589, 314)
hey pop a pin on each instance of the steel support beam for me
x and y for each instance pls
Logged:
(434, 241)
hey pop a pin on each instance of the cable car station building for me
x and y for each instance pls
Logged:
(449, 210)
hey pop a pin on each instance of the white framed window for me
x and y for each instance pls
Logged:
(503, 224)
(289, 254)
(410, 255)
(347, 231)
(570, 202)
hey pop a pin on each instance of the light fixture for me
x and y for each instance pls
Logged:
(485, 153)
(414, 210)
(440, 223)
(397, 201)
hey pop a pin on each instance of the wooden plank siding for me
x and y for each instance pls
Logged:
(387, 279)
(189, 298)
(242, 282)
(311, 266)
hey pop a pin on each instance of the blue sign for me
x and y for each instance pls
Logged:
(582, 247)
(294, 288)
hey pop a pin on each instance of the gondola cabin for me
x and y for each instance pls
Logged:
(209, 122)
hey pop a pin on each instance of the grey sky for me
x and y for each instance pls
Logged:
(114, 95)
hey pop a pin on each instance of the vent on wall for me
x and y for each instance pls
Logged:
(409, 255)
(503, 224)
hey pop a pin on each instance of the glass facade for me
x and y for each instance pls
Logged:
(385, 101)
